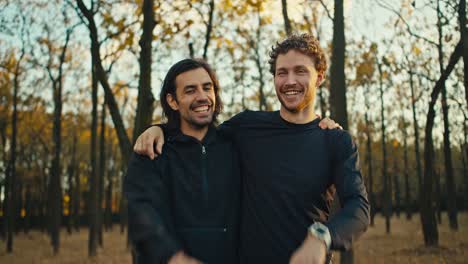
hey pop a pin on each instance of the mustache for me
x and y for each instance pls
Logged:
(287, 87)
(200, 103)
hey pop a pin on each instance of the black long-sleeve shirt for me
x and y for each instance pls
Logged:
(290, 172)
(186, 199)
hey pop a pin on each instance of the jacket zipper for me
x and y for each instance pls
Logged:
(204, 176)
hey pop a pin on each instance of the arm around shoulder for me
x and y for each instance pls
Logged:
(353, 218)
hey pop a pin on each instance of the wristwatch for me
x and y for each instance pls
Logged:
(321, 232)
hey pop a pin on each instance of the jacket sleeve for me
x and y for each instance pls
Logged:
(353, 219)
(150, 224)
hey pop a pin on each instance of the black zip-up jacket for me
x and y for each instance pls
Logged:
(186, 199)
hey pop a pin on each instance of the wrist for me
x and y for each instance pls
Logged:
(320, 232)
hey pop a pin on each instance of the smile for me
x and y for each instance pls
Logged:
(201, 109)
(292, 92)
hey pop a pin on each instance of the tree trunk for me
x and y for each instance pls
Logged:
(108, 210)
(76, 200)
(262, 105)
(209, 28)
(465, 160)
(416, 136)
(338, 107)
(28, 208)
(408, 202)
(337, 75)
(438, 198)
(11, 184)
(450, 182)
(101, 75)
(397, 193)
(145, 107)
(386, 192)
(94, 178)
(370, 176)
(429, 226)
(287, 22)
(464, 39)
(102, 169)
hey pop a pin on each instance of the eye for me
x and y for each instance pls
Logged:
(189, 90)
(208, 87)
(281, 73)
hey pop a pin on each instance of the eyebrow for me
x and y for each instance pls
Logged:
(190, 86)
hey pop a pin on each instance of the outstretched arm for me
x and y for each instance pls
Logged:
(150, 224)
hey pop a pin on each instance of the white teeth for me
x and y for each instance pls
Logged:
(203, 108)
(291, 92)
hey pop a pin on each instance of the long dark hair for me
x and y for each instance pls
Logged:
(169, 87)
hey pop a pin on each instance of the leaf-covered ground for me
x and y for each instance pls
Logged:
(403, 245)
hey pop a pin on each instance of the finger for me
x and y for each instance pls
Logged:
(159, 145)
(138, 147)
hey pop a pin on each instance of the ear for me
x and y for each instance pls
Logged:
(320, 79)
(172, 102)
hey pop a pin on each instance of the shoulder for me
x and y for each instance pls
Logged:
(340, 139)
(249, 116)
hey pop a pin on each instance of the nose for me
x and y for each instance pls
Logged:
(291, 79)
(201, 94)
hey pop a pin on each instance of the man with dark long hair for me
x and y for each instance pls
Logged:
(291, 168)
(181, 206)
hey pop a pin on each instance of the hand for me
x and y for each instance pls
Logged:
(145, 142)
(312, 251)
(181, 258)
(328, 123)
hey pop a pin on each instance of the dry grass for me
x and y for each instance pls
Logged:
(403, 245)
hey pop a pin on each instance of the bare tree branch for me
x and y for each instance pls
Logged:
(408, 28)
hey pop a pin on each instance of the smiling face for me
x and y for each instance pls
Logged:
(194, 100)
(296, 81)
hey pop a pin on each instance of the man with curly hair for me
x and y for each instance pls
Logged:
(291, 168)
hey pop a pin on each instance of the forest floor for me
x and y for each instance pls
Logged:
(403, 245)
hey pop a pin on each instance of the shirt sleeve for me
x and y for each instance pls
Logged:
(150, 224)
(353, 219)
(230, 128)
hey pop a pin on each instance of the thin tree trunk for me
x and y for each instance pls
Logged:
(209, 28)
(28, 208)
(464, 39)
(76, 200)
(255, 45)
(55, 179)
(11, 184)
(71, 185)
(94, 178)
(287, 22)
(385, 178)
(396, 184)
(429, 226)
(416, 137)
(102, 169)
(408, 202)
(145, 107)
(108, 210)
(369, 158)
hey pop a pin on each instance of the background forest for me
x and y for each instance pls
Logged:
(80, 79)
